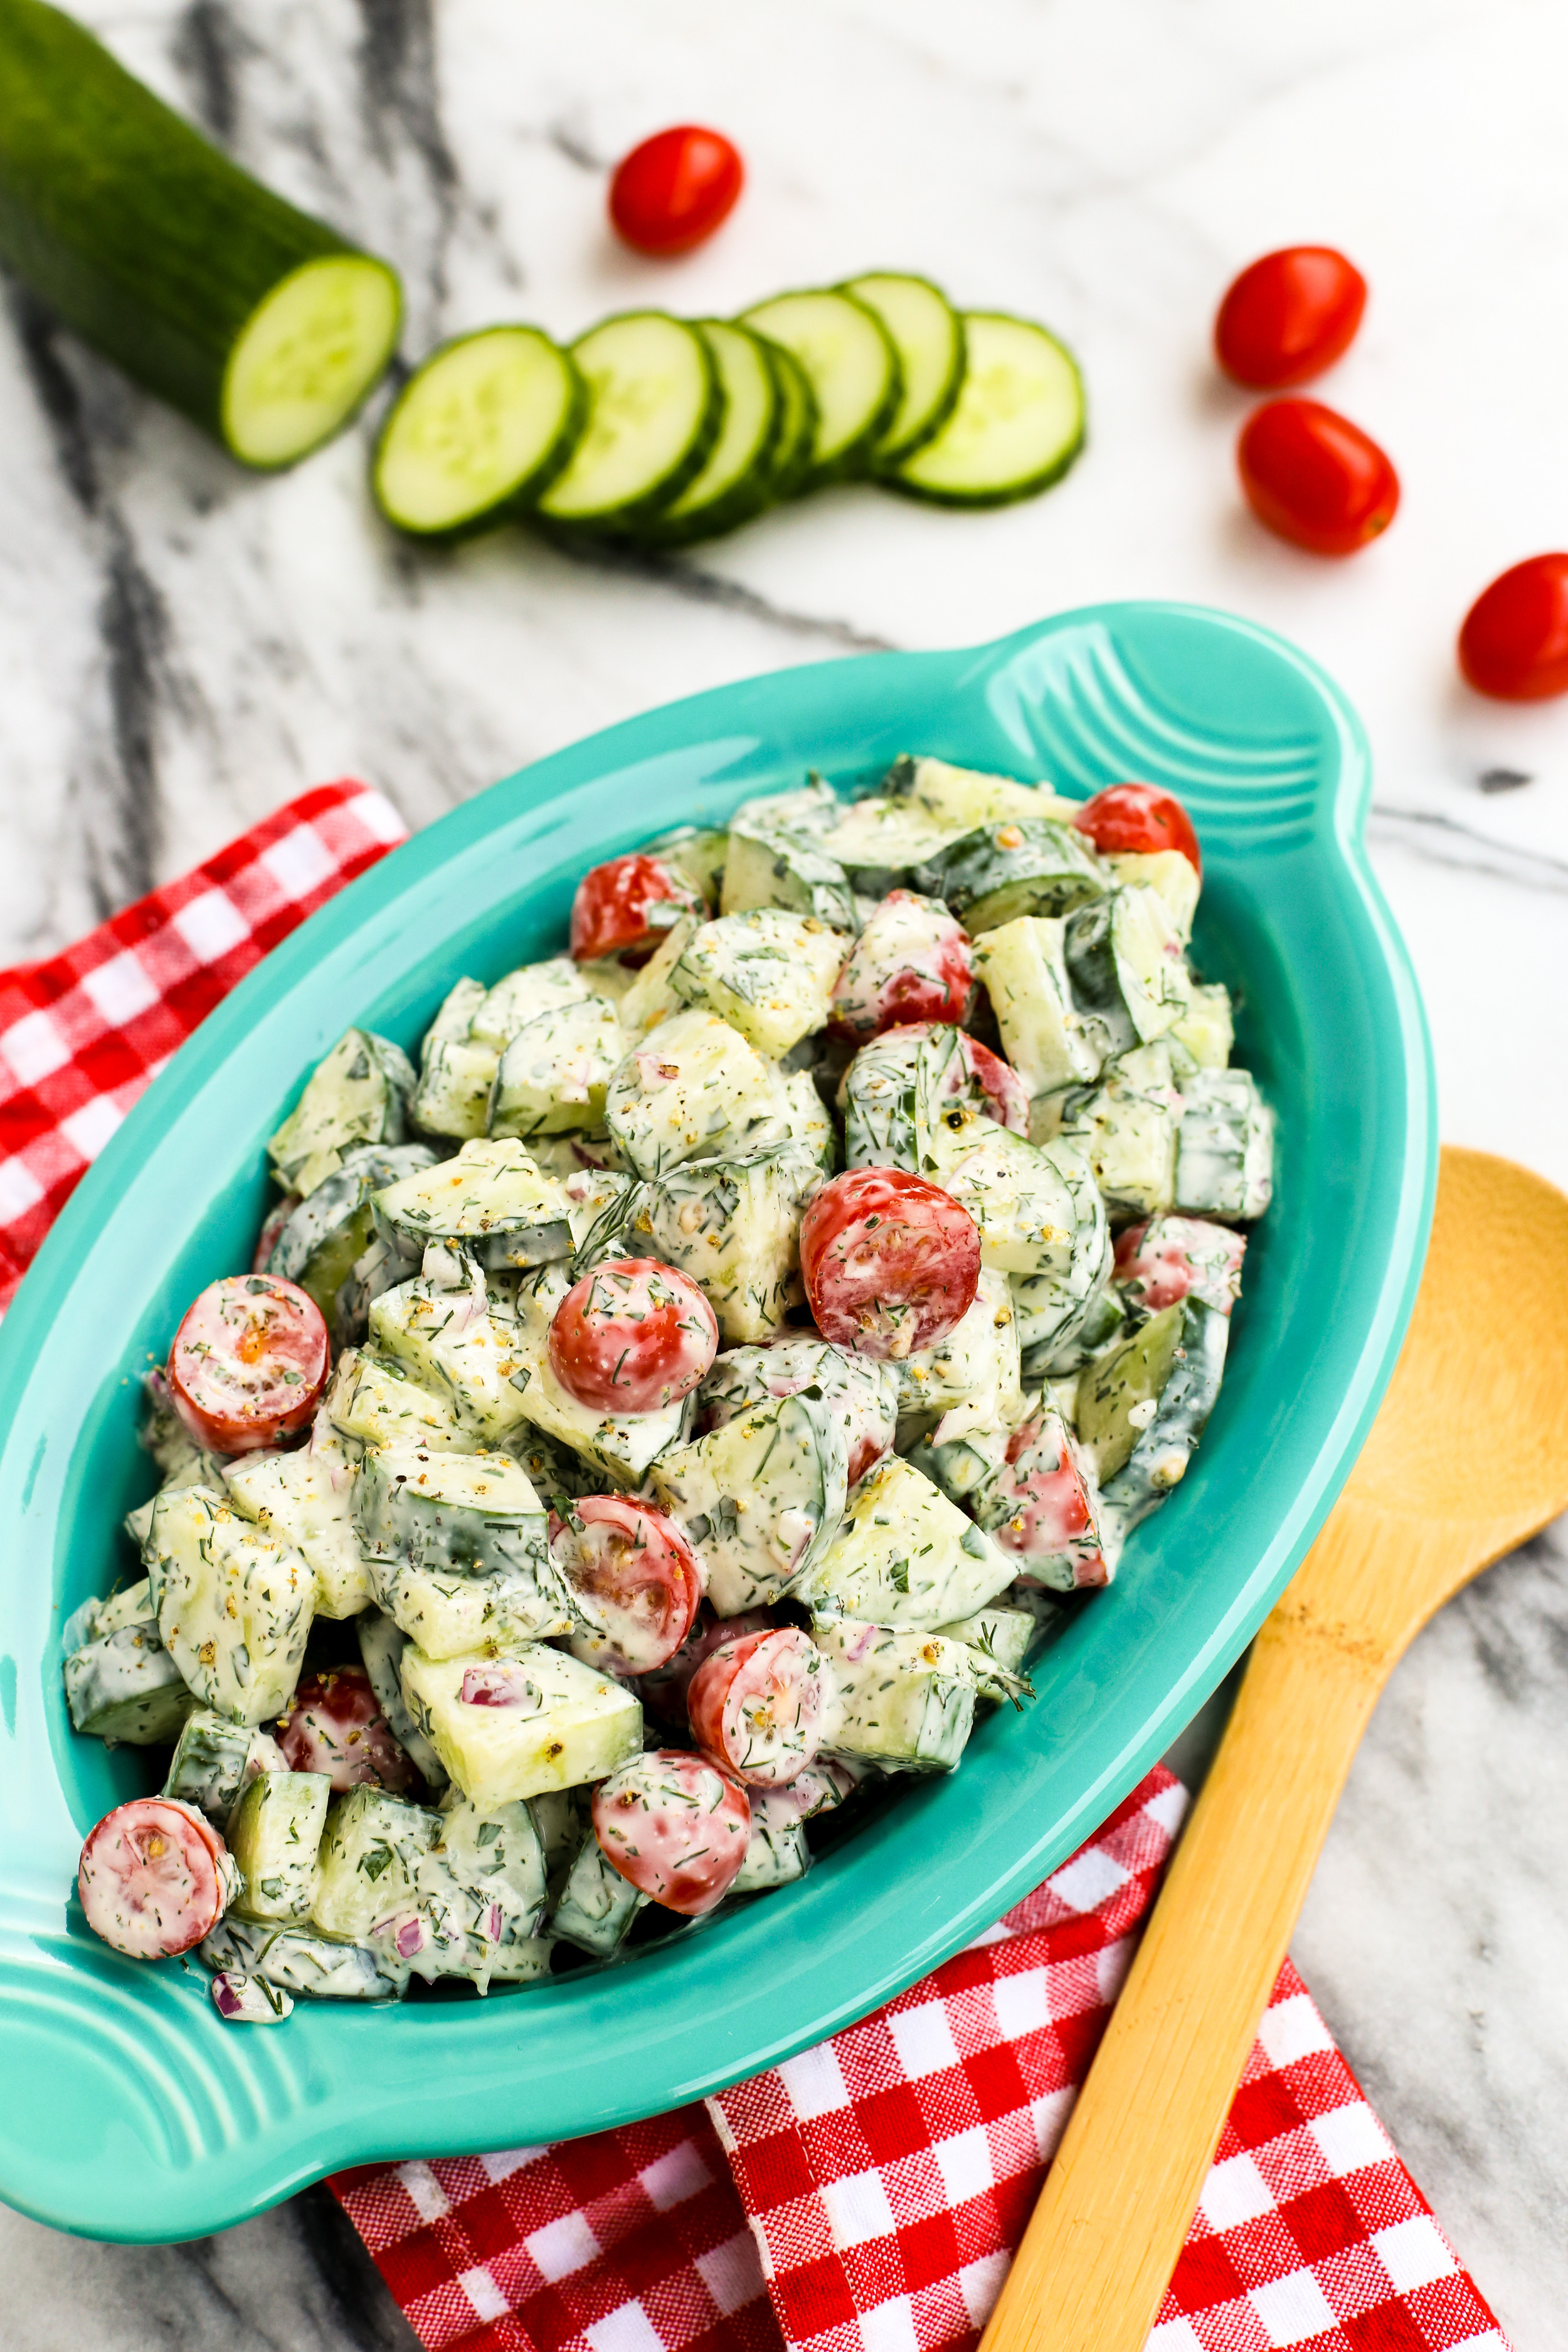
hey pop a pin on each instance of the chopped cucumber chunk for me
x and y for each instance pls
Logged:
(550, 1722)
(767, 972)
(274, 1835)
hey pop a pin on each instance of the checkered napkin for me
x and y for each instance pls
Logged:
(84, 1033)
(866, 2196)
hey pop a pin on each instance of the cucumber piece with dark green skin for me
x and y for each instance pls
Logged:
(852, 364)
(479, 431)
(654, 408)
(1017, 426)
(929, 335)
(1031, 865)
(739, 478)
(1141, 1408)
(262, 325)
(126, 1687)
(331, 1230)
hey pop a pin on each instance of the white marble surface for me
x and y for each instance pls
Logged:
(182, 647)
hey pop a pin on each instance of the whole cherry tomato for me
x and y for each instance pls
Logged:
(249, 1364)
(1289, 316)
(1314, 477)
(674, 190)
(1139, 820)
(632, 1337)
(890, 1263)
(1514, 642)
(625, 907)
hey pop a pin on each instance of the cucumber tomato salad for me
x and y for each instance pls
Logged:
(680, 1406)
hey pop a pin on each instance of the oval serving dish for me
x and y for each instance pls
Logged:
(130, 2110)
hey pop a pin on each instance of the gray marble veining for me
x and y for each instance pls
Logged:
(182, 647)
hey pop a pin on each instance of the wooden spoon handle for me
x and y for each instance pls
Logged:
(1099, 2252)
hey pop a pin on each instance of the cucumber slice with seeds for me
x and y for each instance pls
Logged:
(654, 408)
(797, 423)
(852, 364)
(479, 430)
(737, 482)
(264, 326)
(929, 333)
(1017, 426)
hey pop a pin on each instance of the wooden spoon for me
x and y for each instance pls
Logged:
(1467, 1458)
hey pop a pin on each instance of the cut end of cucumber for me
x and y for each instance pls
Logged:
(307, 356)
(1018, 425)
(485, 425)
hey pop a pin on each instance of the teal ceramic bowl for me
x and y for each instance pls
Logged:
(129, 2110)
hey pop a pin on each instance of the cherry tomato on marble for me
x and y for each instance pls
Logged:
(632, 1337)
(674, 190)
(890, 1262)
(757, 1704)
(333, 1723)
(912, 963)
(153, 1877)
(249, 1364)
(1139, 821)
(1314, 477)
(625, 907)
(1514, 642)
(635, 1579)
(675, 1825)
(1289, 316)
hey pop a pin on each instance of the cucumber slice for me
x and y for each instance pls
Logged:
(928, 333)
(481, 428)
(264, 326)
(797, 424)
(738, 479)
(1017, 426)
(654, 408)
(852, 364)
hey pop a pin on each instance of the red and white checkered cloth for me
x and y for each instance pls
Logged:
(866, 2196)
(84, 1033)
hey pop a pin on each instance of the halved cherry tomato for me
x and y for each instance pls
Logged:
(912, 963)
(625, 906)
(249, 1364)
(675, 1825)
(634, 1575)
(1163, 1259)
(153, 1877)
(632, 1337)
(757, 1704)
(674, 189)
(1514, 642)
(1139, 821)
(1051, 1527)
(1288, 317)
(665, 1686)
(333, 1723)
(1314, 477)
(890, 1263)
